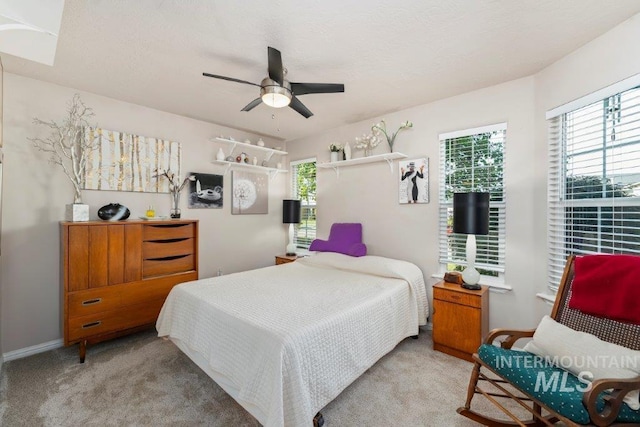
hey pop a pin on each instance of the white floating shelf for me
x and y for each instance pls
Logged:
(235, 165)
(386, 157)
(251, 146)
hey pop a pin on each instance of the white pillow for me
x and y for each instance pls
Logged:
(580, 352)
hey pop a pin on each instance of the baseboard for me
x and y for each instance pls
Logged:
(30, 351)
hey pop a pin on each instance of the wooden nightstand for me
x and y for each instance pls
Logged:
(460, 319)
(283, 259)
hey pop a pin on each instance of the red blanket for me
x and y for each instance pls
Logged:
(607, 286)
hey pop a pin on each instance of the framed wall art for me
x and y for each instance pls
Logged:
(206, 191)
(250, 193)
(413, 184)
(126, 162)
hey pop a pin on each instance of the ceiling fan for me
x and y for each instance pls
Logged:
(278, 92)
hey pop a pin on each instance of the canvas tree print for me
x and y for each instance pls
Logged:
(205, 191)
(126, 162)
(413, 181)
(250, 193)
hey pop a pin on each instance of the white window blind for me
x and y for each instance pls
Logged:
(303, 187)
(594, 180)
(473, 160)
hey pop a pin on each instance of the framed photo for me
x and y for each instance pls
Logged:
(250, 193)
(413, 184)
(206, 191)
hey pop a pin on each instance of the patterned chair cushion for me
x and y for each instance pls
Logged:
(556, 388)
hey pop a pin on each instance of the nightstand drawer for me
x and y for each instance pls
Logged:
(457, 297)
(283, 259)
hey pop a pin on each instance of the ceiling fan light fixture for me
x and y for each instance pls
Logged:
(274, 95)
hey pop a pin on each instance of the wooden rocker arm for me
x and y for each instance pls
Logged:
(612, 401)
(511, 336)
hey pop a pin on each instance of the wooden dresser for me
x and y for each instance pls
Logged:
(460, 319)
(116, 275)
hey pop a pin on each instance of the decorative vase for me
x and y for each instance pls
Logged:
(347, 151)
(175, 208)
(77, 212)
(334, 156)
(220, 155)
(113, 212)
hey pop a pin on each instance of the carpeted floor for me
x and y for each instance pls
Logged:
(141, 380)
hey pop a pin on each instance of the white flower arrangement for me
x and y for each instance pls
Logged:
(368, 142)
(381, 128)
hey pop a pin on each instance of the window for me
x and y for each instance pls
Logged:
(303, 187)
(473, 160)
(594, 180)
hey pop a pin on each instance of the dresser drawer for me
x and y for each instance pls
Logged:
(168, 265)
(167, 248)
(167, 231)
(457, 297)
(116, 320)
(151, 289)
(93, 301)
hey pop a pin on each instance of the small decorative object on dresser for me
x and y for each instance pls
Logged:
(175, 187)
(116, 275)
(113, 212)
(220, 155)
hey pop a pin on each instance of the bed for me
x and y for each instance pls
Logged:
(284, 341)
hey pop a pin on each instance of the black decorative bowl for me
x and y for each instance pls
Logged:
(113, 212)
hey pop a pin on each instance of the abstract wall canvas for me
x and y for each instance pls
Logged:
(205, 191)
(125, 162)
(250, 193)
(413, 181)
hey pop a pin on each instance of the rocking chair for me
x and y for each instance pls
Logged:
(593, 407)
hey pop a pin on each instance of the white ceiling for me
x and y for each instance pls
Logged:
(390, 54)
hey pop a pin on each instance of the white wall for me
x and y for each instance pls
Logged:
(35, 194)
(368, 193)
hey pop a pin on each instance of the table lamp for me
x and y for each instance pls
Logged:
(291, 215)
(471, 217)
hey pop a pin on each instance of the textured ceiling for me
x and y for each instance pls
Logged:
(390, 55)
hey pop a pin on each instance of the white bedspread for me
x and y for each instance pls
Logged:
(286, 340)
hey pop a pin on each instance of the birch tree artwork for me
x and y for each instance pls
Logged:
(127, 162)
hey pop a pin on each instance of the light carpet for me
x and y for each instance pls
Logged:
(143, 380)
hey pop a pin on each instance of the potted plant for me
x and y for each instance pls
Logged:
(68, 147)
(335, 151)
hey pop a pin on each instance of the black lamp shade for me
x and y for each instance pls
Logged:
(290, 211)
(471, 213)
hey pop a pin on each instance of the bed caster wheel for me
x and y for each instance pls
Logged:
(318, 420)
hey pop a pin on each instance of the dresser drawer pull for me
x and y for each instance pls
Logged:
(92, 301)
(454, 297)
(169, 225)
(91, 325)
(179, 239)
(168, 258)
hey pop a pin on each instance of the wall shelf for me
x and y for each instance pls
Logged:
(250, 147)
(386, 157)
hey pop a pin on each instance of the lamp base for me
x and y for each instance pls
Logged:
(471, 287)
(291, 254)
(291, 249)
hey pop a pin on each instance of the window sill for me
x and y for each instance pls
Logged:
(548, 298)
(494, 284)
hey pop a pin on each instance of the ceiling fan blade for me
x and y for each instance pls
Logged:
(306, 88)
(250, 106)
(276, 71)
(300, 108)
(231, 79)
